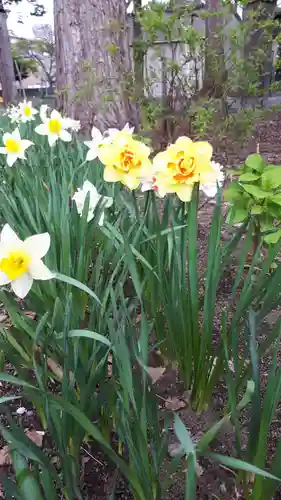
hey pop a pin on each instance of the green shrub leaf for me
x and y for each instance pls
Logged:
(255, 162)
(248, 177)
(256, 191)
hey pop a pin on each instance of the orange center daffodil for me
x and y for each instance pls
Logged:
(125, 159)
(182, 165)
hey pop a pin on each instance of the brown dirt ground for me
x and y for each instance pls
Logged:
(215, 481)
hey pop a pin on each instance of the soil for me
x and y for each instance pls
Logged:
(215, 481)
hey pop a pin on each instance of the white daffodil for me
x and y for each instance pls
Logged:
(210, 188)
(80, 198)
(43, 112)
(54, 127)
(148, 184)
(14, 147)
(13, 113)
(98, 140)
(20, 261)
(71, 124)
(27, 112)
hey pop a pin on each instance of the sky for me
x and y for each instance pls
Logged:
(21, 13)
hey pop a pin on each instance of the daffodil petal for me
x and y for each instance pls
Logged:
(8, 236)
(16, 134)
(65, 136)
(39, 271)
(96, 134)
(3, 151)
(111, 175)
(38, 244)
(11, 159)
(184, 192)
(52, 139)
(42, 129)
(25, 143)
(91, 155)
(22, 285)
(4, 280)
(55, 115)
(209, 189)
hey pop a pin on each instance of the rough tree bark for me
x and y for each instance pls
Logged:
(7, 74)
(215, 72)
(258, 45)
(94, 62)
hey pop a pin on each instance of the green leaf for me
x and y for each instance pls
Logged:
(248, 177)
(77, 284)
(235, 463)
(256, 191)
(233, 192)
(255, 162)
(257, 209)
(26, 481)
(272, 238)
(271, 178)
(276, 199)
(237, 215)
(88, 334)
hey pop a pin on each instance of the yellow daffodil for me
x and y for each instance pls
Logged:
(182, 165)
(14, 147)
(54, 127)
(125, 159)
(26, 111)
(20, 261)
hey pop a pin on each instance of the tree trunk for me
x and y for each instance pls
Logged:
(258, 44)
(7, 74)
(94, 62)
(215, 72)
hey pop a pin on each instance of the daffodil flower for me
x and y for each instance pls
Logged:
(98, 140)
(80, 198)
(54, 127)
(111, 132)
(210, 188)
(14, 147)
(181, 166)
(26, 111)
(126, 160)
(20, 261)
(71, 124)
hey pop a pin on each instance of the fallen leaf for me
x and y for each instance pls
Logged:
(35, 436)
(5, 458)
(30, 314)
(175, 449)
(3, 317)
(156, 372)
(174, 404)
(109, 365)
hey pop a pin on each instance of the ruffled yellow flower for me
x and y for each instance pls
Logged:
(125, 159)
(182, 165)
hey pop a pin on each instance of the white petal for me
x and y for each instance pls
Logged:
(108, 201)
(22, 285)
(11, 158)
(3, 151)
(90, 215)
(96, 134)
(39, 271)
(25, 143)
(52, 139)
(42, 129)
(209, 189)
(38, 245)
(88, 186)
(146, 186)
(7, 136)
(91, 155)
(65, 136)
(4, 279)
(8, 236)
(55, 115)
(16, 134)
